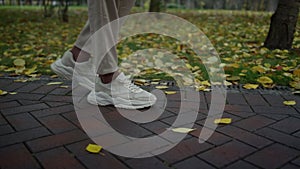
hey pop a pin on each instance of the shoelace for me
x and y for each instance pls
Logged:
(132, 87)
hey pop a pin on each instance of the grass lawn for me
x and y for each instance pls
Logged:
(238, 37)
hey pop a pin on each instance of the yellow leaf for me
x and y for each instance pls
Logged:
(205, 83)
(65, 87)
(13, 93)
(233, 78)
(296, 72)
(154, 83)
(223, 121)
(265, 80)
(259, 69)
(182, 130)
(2, 92)
(289, 103)
(19, 62)
(54, 83)
(227, 83)
(54, 76)
(21, 80)
(93, 148)
(170, 92)
(250, 86)
(295, 84)
(161, 87)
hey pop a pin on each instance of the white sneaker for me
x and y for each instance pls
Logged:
(84, 71)
(121, 93)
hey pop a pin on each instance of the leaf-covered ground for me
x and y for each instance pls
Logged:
(238, 37)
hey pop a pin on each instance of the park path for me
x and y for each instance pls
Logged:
(39, 129)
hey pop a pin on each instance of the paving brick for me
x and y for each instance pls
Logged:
(241, 114)
(94, 161)
(9, 104)
(22, 136)
(28, 102)
(12, 86)
(274, 100)
(6, 129)
(280, 137)
(25, 96)
(53, 141)
(71, 116)
(275, 116)
(273, 156)
(245, 136)
(171, 120)
(253, 123)
(297, 134)
(226, 154)
(289, 166)
(53, 111)
(56, 104)
(236, 108)
(58, 158)
(275, 110)
(45, 89)
(29, 87)
(184, 149)
(216, 138)
(61, 91)
(255, 99)
(193, 163)
(236, 99)
(16, 157)
(57, 124)
(125, 126)
(56, 98)
(288, 125)
(2, 120)
(146, 163)
(156, 127)
(22, 109)
(296, 161)
(241, 165)
(23, 121)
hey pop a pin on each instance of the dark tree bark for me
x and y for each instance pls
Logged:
(155, 6)
(283, 25)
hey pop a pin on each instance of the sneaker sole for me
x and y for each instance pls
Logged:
(64, 72)
(117, 102)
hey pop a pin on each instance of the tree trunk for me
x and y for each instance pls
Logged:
(154, 6)
(283, 25)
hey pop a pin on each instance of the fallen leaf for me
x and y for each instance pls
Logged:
(93, 148)
(265, 80)
(2, 92)
(223, 121)
(19, 62)
(170, 92)
(182, 130)
(54, 83)
(65, 87)
(13, 93)
(289, 103)
(161, 87)
(250, 86)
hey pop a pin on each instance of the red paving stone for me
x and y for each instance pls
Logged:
(39, 129)
(273, 156)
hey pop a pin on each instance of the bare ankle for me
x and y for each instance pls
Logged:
(84, 56)
(108, 78)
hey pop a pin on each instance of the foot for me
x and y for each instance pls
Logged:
(121, 93)
(64, 67)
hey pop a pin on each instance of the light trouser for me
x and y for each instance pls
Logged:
(101, 12)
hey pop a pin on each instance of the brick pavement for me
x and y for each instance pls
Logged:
(39, 129)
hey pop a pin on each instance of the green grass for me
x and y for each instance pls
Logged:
(236, 35)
